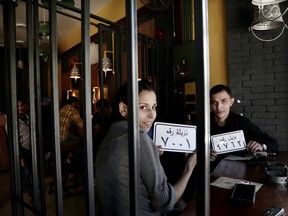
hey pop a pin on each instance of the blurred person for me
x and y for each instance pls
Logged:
(47, 126)
(101, 114)
(25, 149)
(71, 126)
(25, 106)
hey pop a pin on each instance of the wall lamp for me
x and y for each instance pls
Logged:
(96, 93)
(267, 15)
(74, 72)
(106, 62)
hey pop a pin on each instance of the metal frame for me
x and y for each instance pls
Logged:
(203, 129)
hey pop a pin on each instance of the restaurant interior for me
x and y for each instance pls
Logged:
(181, 46)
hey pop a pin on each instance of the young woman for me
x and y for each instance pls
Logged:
(157, 196)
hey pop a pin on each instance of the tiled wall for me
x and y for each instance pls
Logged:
(258, 72)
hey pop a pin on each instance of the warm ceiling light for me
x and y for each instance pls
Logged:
(21, 25)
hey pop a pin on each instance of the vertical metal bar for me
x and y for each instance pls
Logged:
(55, 100)
(118, 57)
(85, 32)
(32, 114)
(101, 77)
(119, 78)
(11, 91)
(202, 106)
(134, 145)
(38, 105)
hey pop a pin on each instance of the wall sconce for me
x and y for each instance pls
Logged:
(72, 93)
(267, 16)
(68, 93)
(94, 99)
(74, 72)
(106, 63)
(96, 93)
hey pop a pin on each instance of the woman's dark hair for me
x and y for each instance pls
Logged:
(122, 96)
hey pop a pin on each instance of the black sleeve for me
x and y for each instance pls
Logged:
(252, 132)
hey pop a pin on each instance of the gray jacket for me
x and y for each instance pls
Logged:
(156, 196)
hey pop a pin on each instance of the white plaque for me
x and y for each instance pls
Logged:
(175, 137)
(228, 142)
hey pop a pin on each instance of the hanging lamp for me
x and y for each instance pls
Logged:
(267, 16)
(74, 72)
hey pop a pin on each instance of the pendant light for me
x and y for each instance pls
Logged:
(74, 72)
(20, 62)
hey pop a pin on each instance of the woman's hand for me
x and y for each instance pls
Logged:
(191, 160)
(213, 155)
(160, 152)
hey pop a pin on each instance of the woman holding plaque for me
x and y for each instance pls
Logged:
(156, 195)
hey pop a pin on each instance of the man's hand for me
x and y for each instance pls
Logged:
(254, 146)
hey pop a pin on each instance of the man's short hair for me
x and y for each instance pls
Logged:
(72, 99)
(99, 103)
(218, 88)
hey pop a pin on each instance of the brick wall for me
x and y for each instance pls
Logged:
(258, 72)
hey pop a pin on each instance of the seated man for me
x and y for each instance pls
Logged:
(71, 126)
(223, 120)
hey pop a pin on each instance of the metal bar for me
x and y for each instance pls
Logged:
(12, 117)
(89, 183)
(202, 106)
(118, 57)
(93, 16)
(78, 11)
(32, 114)
(38, 105)
(55, 104)
(133, 126)
(101, 77)
(120, 76)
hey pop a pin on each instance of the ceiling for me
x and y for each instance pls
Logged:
(65, 24)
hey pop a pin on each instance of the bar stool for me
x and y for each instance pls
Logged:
(70, 168)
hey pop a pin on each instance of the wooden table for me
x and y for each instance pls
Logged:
(269, 194)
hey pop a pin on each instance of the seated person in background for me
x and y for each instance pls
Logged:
(47, 126)
(223, 120)
(25, 149)
(71, 126)
(100, 120)
(101, 114)
(156, 195)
